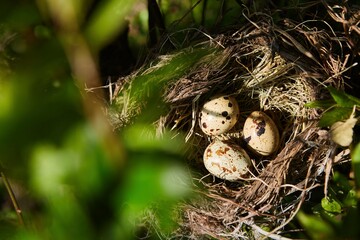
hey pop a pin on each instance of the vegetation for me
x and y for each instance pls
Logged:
(68, 172)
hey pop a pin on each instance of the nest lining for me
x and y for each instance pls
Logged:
(264, 69)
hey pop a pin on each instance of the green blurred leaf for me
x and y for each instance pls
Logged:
(331, 205)
(343, 99)
(342, 182)
(70, 179)
(67, 219)
(81, 164)
(315, 226)
(21, 17)
(54, 175)
(351, 199)
(107, 21)
(22, 234)
(154, 185)
(334, 115)
(155, 177)
(149, 182)
(49, 170)
(323, 104)
(141, 137)
(34, 112)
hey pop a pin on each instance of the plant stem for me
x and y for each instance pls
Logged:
(13, 199)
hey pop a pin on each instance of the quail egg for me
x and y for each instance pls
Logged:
(218, 115)
(226, 161)
(261, 133)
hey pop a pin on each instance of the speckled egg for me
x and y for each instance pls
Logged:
(261, 133)
(226, 161)
(218, 115)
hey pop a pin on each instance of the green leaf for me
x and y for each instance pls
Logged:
(331, 205)
(154, 183)
(351, 199)
(141, 137)
(316, 227)
(343, 99)
(81, 164)
(323, 104)
(334, 115)
(342, 182)
(107, 21)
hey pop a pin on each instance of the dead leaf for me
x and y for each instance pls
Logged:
(342, 132)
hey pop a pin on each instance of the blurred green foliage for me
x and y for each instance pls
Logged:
(107, 20)
(68, 179)
(72, 185)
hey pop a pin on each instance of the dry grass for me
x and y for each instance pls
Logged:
(276, 69)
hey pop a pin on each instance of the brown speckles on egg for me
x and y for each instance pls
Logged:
(225, 114)
(219, 114)
(226, 170)
(222, 151)
(261, 128)
(261, 134)
(229, 161)
(208, 152)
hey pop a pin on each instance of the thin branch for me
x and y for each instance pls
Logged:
(13, 199)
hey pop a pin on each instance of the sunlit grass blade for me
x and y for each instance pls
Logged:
(146, 87)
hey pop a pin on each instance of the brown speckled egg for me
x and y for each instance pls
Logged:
(226, 161)
(261, 133)
(218, 115)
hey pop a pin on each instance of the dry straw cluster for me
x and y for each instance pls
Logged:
(274, 68)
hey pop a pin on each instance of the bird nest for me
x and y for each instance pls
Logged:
(270, 68)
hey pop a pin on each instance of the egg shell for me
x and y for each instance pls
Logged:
(226, 161)
(261, 133)
(218, 115)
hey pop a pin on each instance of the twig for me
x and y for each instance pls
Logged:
(268, 234)
(297, 45)
(193, 121)
(13, 199)
(302, 199)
